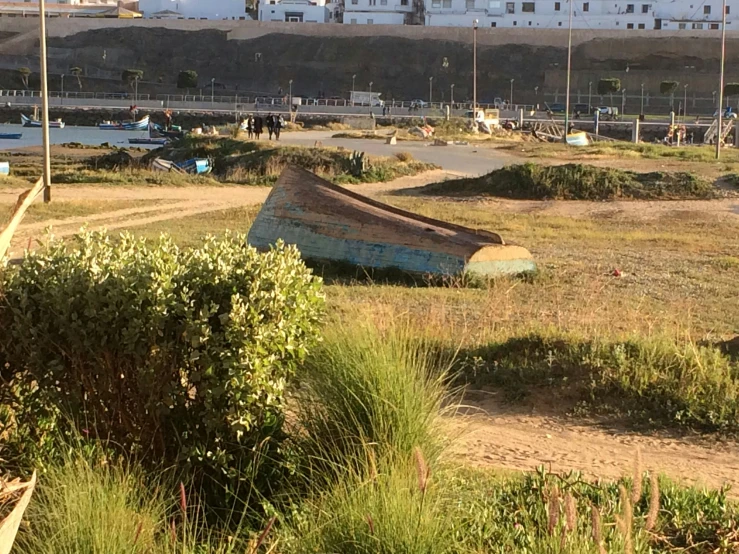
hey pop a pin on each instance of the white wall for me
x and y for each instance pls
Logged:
(374, 18)
(208, 9)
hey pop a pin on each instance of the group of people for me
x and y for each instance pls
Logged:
(254, 126)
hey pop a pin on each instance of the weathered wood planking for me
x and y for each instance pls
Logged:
(328, 222)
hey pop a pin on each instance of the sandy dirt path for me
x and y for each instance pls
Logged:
(495, 434)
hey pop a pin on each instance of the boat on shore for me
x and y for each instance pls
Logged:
(157, 131)
(193, 166)
(331, 223)
(149, 141)
(10, 136)
(29, 122)
(140, 125)
(578, 138)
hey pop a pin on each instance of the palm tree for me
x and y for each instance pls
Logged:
(25, 73)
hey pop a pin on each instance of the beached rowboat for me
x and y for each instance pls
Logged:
(329, 222)
(10, 136)
(140, 125)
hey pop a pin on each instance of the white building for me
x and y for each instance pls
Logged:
(592, 14)
(671, 15)
(195, 9)
(297, 11)
(68, 8)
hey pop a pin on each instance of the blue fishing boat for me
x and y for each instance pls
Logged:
(140, 125)
(328, 222)
(10, 136)
(157, 131)
(194, 166)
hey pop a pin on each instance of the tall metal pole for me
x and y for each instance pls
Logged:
(290, 105)
(452, 97)
(721, 82)
(512, 92)
(474, 72)
(44, 102)
(685, 103)
(352, 98)
(431, 91)
(590, 96)
(569, 69)
(642, 100)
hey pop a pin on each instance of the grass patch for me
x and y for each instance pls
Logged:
(656, 379)
(245, 162)
(575, 182)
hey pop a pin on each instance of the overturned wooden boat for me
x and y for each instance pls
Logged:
(18, 493)
(194, 166)
(329, 222)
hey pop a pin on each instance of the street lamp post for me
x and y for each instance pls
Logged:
(474, 70)
(44, 102)
(452, 96)
(370, 96)
(623, 101)
(590, 96)
(721, 81)
(136, 91)
(641, 112)
(352, 98)
(212, 90)
(62, 92)
(290, 95)
(569, 71)
(511, 100)
(685, 101)
(431, 90)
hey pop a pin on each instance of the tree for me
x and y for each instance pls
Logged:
(130, 76)
(77, 72)
(730, 89)
(25, 73)
(609, 86)
(669, 87)
(187, 79)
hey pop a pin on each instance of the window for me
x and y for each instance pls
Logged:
(641, 26)
(706, 10)
(493, 24)
(559, 24)
(493, 4)
(403, 2)
(629, 25)
(586, 6)
(510, 7)
(714, 26)
(446, 4)
(728, 10)
(383, 2)
(370, 21)
(435, 3)
(557, 6)
(469, 4)
(697, 25)
(629, 8)
(372, 2)
(515, 23)
(528, 7)
(646, 8)
(353, 21)
(681, 25)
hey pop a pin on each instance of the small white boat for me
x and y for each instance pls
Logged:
(28, 122)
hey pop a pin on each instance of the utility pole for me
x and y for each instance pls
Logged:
(452, 96)
(352, 98)
(569, 69)
(44, 101)
(474, 72)
(721, 82)
(642, 100)
(431, 91)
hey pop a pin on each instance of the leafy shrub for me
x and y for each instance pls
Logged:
(404, 157)
(532, 181)
(178, 357)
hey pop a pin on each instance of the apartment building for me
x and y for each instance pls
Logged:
(194, 9)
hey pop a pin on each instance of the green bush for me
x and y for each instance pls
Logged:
(532, 181)
(178, 357)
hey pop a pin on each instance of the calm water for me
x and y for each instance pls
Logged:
(83, 135)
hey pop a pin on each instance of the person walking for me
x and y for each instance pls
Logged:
(250, 126)
(270, 125)
(279, 123)
(258, 127)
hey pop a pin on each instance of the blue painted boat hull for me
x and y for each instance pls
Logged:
(141, 125)
(149, 141)
(328, 222)
(10, 136)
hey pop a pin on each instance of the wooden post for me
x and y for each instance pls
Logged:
(44, 101)
(635, 131)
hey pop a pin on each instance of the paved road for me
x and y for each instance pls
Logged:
(471, 160)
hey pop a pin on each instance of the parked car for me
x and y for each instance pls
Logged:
(418, 103)
(582, 108)
(729, 113)
(557, 108)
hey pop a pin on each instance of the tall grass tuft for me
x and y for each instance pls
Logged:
(371, 394)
